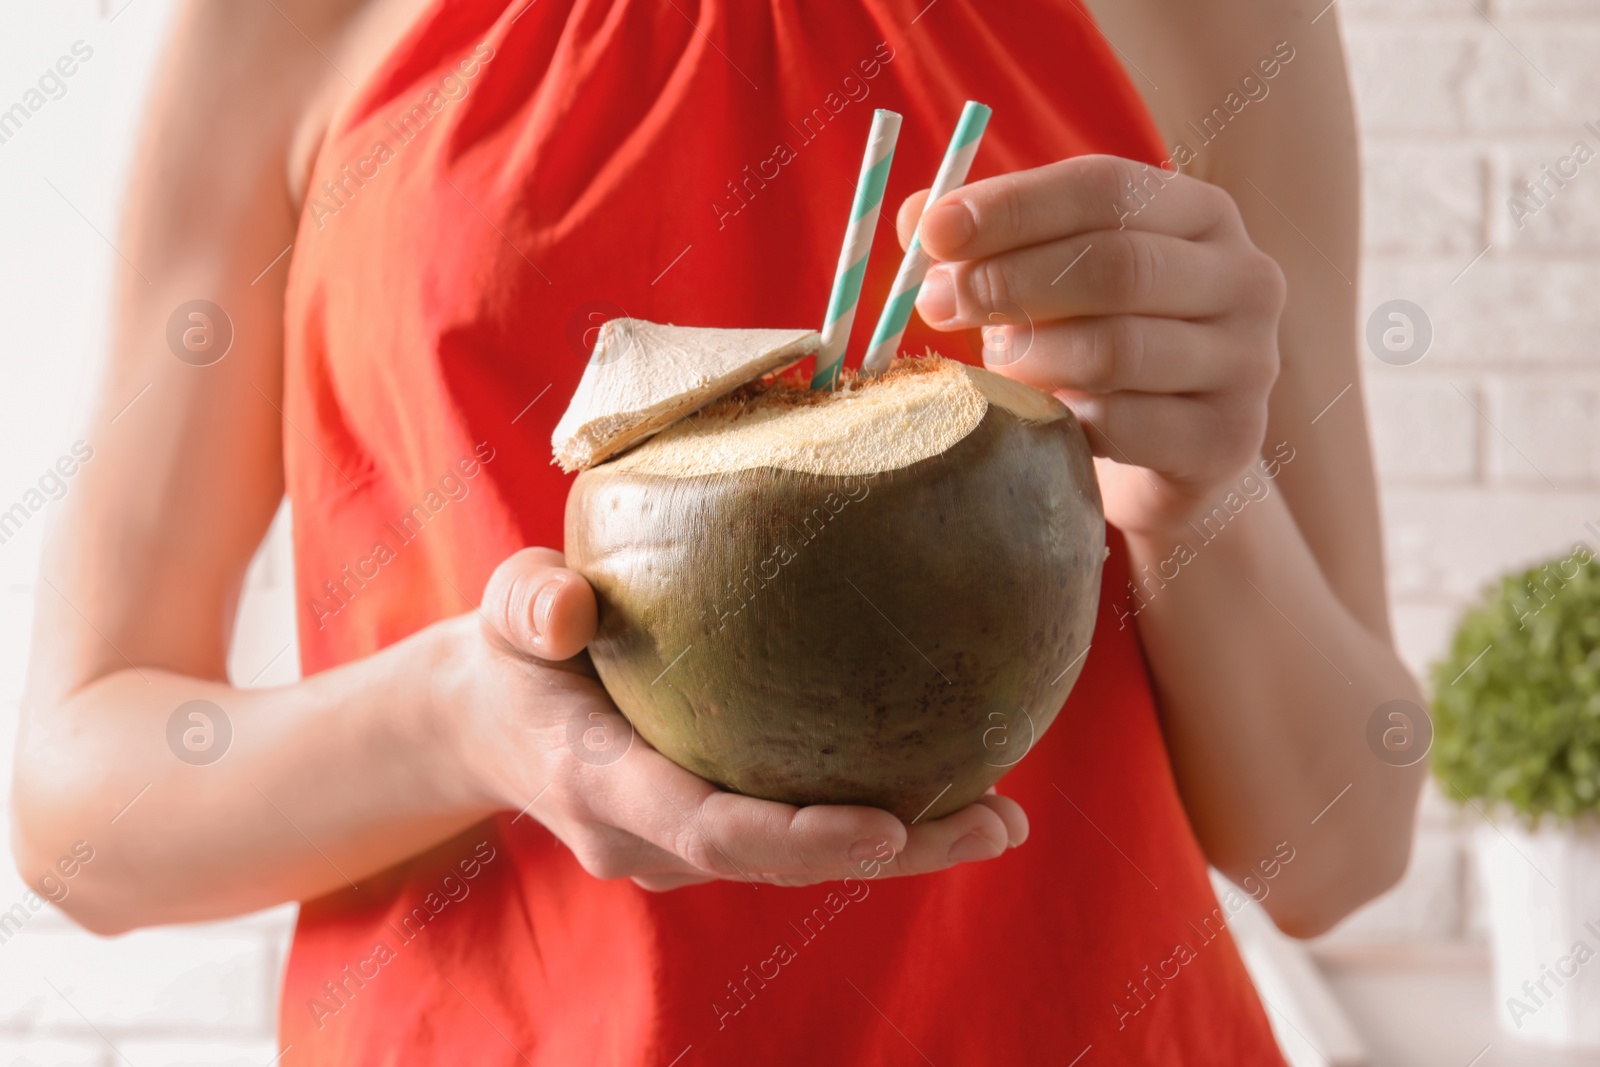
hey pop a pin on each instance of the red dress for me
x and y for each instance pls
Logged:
(511, 176)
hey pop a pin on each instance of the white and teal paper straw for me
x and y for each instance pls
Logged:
(914, 267)
(857, 245)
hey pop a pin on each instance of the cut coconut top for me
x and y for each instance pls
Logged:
(919, 408)
(643, 376)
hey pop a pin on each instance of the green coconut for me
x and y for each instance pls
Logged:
(880, 595)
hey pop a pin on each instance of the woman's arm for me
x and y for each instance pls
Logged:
(356, 768)
(1276, 727)
(1262, 614)
(141, 578)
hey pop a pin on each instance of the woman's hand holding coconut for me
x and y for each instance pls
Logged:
(639, 815)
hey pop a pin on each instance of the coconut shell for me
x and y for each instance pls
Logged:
(898, 638)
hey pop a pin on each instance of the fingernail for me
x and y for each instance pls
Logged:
(937, 300)
(972, 847)
(866, 850)
(948, 227)
(544, 602)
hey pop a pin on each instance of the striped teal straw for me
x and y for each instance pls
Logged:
(857, 246)
(914, 267)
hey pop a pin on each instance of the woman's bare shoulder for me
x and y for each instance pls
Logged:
(282, 69)
(367, 34)
(1202, 64)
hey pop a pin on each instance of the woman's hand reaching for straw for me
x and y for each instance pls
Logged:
(1136, 296)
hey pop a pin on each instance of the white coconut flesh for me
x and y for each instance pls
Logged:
(643, 376)
(921, 408)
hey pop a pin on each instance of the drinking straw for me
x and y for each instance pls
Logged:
(914, 267)
(857, 245)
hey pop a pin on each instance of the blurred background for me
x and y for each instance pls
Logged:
(1488, 451)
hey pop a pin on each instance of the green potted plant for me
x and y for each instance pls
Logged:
(1516, 710)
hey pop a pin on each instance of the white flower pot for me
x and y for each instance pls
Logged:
(1543, 889)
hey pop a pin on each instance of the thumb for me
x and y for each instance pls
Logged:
(538, 606)
(905, 222)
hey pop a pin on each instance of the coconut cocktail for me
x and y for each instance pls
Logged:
(875, 594)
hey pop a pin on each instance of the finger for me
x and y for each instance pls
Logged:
(1188, 439)
(607, 852)
(976, 832)
(905, 223)
(539, 607)
(1073, 196)
(1140, 353)
(730, 835)
(1011, 815)
(964, 840)
(1110, 272)
(970, 838)
(661, 883)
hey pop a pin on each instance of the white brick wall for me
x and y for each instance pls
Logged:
(1424, 429)
(1548, 428)
(1488, 449)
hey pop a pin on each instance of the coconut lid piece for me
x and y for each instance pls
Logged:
(921, 407)
(643, 376)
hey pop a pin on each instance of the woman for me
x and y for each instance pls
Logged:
(465, 187)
